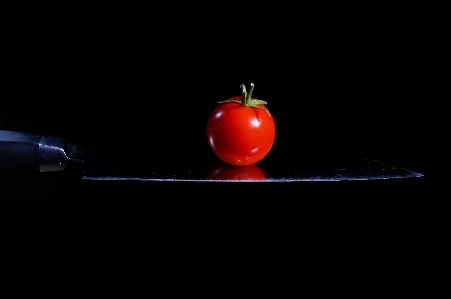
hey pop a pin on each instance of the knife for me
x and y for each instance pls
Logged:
(22, 153)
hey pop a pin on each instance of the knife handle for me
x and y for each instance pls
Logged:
(22, 153)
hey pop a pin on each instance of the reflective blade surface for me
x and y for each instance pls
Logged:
(135, 164)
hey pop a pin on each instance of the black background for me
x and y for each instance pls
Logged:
(338, 77)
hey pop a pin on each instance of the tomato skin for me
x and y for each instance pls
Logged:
(240, 135)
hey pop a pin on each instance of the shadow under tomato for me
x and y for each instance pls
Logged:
(226, 172)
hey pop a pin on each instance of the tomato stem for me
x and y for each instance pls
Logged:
(246, 96)
(247, 100)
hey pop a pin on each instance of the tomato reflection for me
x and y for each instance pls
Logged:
(226, 172)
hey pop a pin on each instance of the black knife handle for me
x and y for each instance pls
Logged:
(29, 153)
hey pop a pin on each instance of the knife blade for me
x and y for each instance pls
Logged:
(30, 153)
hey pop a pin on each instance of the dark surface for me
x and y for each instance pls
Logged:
(60, 236)
(337, 78)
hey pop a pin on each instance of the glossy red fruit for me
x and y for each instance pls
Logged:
(241, 131)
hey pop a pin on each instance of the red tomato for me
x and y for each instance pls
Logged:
(241, 131)
(226, 172)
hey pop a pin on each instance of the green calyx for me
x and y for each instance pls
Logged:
(247, 100)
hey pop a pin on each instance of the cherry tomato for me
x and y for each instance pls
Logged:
(226, 172)
(241, 130)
